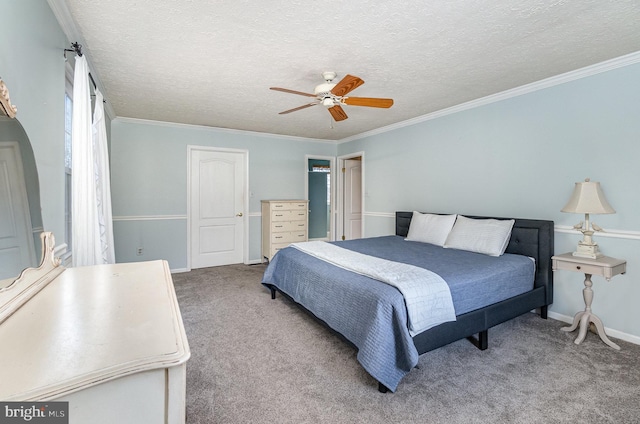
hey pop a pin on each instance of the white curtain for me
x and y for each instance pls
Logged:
(103, 185)
(87, 249)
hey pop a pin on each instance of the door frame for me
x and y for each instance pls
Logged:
(332, 168)
(245, 207)
(340, 193)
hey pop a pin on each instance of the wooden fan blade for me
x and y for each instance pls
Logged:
(338, 113)
(286, 90)
(368, 101)
(298, 108)
(347, 84)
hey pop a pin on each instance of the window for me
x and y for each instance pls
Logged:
(68, 114)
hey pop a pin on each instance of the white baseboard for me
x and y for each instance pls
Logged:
(610, 332)
(181, 270)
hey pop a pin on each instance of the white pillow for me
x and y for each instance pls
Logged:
(430, 228)
(488, 236)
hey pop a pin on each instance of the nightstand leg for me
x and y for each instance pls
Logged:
(576, 321)
(584, 326)
(583, 318)
(594, 319)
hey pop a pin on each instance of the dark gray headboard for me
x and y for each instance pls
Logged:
(529, 237)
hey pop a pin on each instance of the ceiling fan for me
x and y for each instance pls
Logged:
(332, 96)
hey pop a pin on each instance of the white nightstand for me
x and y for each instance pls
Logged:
(605, 267)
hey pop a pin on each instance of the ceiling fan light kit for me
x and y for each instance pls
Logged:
(329, 76)
(332, 95)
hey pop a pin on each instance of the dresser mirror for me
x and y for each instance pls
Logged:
(20, 215)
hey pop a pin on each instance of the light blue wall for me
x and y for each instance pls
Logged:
(32, 66)
(149, 182)
(520, 157)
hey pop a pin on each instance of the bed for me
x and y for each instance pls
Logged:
(373, 316)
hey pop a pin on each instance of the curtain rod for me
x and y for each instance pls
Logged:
(77, 48)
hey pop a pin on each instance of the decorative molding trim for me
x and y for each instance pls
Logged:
(608, 65)
(37, 230)
(148, 217)
(255, 214)
(220, 130)
(380, 214)
(5, 102)
(621, 234)
(610, 331)
(60, 249)
(565, 229)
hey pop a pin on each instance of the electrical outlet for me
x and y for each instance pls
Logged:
(140, 251)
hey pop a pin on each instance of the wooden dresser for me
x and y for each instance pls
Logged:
(107, 339)
(283, 222)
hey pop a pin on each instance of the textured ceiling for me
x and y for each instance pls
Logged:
(212, 62)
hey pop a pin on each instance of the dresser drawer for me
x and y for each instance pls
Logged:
(280, 226)
(277, 206)
(281, 215)
(583, 268)
(276, 247)
(299, 215)
(289, 237)
(289, 215)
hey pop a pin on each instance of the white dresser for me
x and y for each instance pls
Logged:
(283, 222)
(108, 339)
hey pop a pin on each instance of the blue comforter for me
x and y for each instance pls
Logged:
(372, 314)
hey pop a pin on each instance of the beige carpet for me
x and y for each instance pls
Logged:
(257, 360)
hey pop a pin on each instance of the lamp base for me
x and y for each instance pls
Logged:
(588, 251)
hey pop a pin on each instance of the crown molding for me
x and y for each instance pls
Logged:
(222, 130)
(609, 65)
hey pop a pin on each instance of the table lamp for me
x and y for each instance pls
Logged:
(587, 198)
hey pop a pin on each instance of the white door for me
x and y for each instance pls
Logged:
(217, 207)
(16, 242)
(353, 199)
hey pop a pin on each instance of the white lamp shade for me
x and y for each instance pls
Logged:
(588, 197)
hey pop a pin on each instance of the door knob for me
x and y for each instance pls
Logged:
(239, 214)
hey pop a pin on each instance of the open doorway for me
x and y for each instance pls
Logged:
(319, 178)
(351, 196)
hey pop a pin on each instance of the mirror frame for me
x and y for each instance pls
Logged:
(5, 101)
(31, 280)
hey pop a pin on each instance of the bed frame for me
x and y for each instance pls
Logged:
(529, 237)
